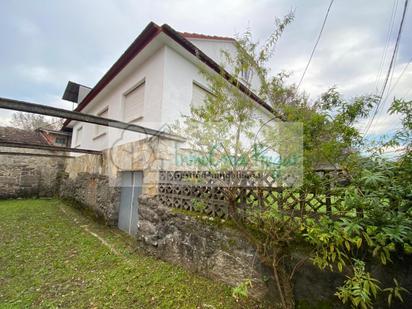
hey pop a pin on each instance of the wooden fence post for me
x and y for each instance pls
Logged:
(328, 196)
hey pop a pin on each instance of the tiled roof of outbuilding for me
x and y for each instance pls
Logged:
(10, 134)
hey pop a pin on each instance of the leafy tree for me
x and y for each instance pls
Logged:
(372, 221)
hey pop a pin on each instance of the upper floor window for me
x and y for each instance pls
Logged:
(134, 104)
(199, 95)
(78, 139)
(101, 130)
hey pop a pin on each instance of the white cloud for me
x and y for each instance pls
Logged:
(38, 74)
(382, 124)
(26, 27)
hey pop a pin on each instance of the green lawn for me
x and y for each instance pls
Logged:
(48, 259)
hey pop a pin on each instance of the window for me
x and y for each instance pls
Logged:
(60, 140)
(199, 96)
(102, 130)
(134, 104)
(78, 136)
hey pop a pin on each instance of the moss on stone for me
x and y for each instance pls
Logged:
(213, 221)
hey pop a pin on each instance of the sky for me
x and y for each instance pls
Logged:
(46, 43)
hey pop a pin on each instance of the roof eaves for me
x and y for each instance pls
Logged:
(150, 32)
(189, 35)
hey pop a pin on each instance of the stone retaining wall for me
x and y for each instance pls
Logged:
(29, 176)
(94, 192)
(206, 248)
(218, 251)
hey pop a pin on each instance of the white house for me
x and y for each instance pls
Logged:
(152, 84)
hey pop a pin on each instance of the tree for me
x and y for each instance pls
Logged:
(374, 216)
(224, 132)
(31, 122)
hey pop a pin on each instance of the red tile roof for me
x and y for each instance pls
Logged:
(10, 134)
(189, 35)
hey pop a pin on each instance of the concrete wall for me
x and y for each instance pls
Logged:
(29, 176)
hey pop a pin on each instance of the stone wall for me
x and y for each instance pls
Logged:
(147, 155)
(210, 249)
(93, 191)
(218, 251)
(94, 180)
(29, 176)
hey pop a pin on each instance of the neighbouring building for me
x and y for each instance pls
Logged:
(56, 138)
(16, 135)
(28, 172)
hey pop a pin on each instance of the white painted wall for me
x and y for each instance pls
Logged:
(179, 75)
(214, 48)
(151, 73)
(168, 73)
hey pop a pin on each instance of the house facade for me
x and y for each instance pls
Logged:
(153, 84)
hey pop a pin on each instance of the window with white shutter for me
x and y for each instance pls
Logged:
(134, 104)
(101, 130)
(199, 96)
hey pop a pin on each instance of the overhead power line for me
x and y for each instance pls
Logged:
(386, 48)
(397, 80)
(388, 74)
(316, 43)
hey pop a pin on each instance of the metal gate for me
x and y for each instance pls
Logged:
(131, 188)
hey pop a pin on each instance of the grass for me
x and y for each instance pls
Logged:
(49, 259)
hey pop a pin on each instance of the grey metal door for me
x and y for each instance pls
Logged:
(131, 188)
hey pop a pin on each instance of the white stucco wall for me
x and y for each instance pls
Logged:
(179, 75)
(214, 48)
(151, 73)
(168, 73)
